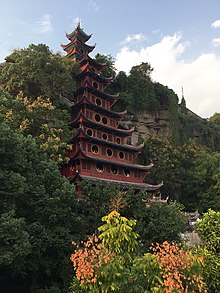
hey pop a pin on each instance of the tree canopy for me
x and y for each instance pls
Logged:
(36, 71)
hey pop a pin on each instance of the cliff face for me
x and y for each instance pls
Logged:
(181, 126)
(148, 125)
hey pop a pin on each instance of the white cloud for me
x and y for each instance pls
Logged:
(216, 42)
(216, 24)
(198, 77)
(43, 24)
(93, 6)
(131, 38)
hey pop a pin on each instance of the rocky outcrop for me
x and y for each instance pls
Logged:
(148, 125)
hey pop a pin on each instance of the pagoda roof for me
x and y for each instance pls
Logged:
(118, 184)
(77, 40)
(78, 32)
(75, 51)
(80, 153)
(99, 109)
(92, 62)
(96, 92)
(88, 71)
(81, 118)
(133, 148)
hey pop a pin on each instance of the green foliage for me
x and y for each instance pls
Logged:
(160, 223)
(190, 172)
(204, 131)
(205, 181)
(117, 235)
(212, 271)
(15, 240)
(109, 70)
(138, 93)
(38, 219)
(124, 271)
(208, 229)
(215, 119)
(96, 205)
(36, 71)
(40, 118)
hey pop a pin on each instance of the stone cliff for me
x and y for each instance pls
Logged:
(148, 125)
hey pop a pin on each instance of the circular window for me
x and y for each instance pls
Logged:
(109, 152)
(97, 118)
(95, 84)
(104, 120)
(99, 167)
(118, 140)
(95, 149)
(104, 136)
(127, 172)
(93, 69)
(89, 132)
(114, 170)
(121, 155)
(98, 102)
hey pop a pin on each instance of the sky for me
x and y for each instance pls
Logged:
(179, 38)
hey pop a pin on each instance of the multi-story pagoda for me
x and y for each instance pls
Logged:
(100, 150)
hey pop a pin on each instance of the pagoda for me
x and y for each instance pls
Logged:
(100, 152)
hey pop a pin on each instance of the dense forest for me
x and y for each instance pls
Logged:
(41, 216)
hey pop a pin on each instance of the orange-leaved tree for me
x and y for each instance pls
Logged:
(111, 263)
(180, 268)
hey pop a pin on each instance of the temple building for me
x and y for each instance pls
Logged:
(100, 149)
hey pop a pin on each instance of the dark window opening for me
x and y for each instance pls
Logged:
(89, 132)
(114, 170)
(95, 84)
(99, 167)
(97, 118)
(127, 172)
(109, 152)
(104, 120)
(121, 155)
(95, 149)
(93, 69)
(104, 136)
(98, 102)
(118, 140)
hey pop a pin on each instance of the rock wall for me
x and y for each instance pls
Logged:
(148, 125)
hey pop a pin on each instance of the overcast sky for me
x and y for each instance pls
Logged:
(180, 39)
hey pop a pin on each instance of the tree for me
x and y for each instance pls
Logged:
(40, 118)
(215, 118)
(38, 208)
(180, 269)
(36, 71)
(208, 229)
(141, 87)
(160, 223)
(205, 181)
(15, 241)
(109, 70)
(115, 264)
(190, 172)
